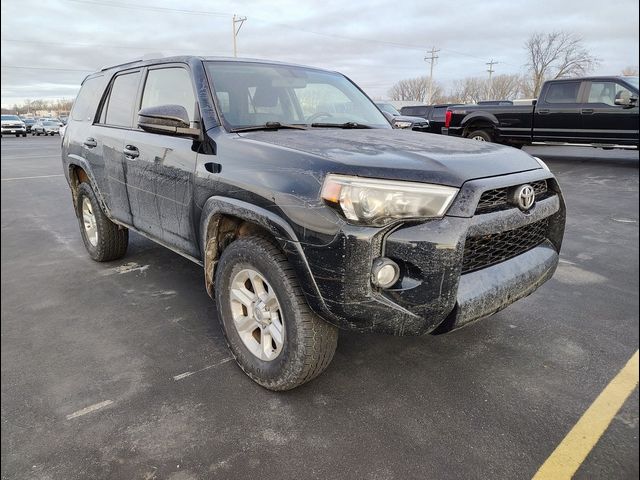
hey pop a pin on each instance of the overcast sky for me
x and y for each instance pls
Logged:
(49, 46)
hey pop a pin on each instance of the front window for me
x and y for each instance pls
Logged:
(607, 92)
(250, 94)
(633, 81)
(11, 118)
(387, 107)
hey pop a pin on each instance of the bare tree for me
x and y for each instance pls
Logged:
(415, 89)
(554, 55)
(469, 90)
(504, 87)
(630, 71)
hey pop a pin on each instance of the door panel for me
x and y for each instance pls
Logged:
(558, 116)
(160, 188)
(603, 120)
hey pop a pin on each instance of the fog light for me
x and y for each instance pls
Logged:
(384, 272)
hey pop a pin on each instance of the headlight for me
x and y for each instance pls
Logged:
(542, 164)
(371, 201)
(400, 124)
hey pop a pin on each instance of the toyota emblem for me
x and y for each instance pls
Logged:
(525, 197)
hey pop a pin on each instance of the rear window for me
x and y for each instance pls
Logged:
(84, 108)
(439, 113)
(414, 111)
(563, 92)
(119, 106)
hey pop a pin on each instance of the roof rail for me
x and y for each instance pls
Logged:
(146, 56)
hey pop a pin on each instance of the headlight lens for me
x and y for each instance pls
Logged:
(371, 201)
(400, 124)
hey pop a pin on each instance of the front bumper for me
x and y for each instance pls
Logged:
(432, 291)
(14, 130)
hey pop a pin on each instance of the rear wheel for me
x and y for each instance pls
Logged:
(103, 239)
(271, 331)
(480, 135)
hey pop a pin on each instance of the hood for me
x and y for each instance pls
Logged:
(399, 154)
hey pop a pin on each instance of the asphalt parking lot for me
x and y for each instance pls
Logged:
(119, 370)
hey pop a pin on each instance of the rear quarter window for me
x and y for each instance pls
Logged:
(86, 103)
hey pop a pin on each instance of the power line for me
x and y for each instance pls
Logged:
(47, 68)
(285, 25)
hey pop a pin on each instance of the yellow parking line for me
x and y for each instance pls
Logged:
(574, 448)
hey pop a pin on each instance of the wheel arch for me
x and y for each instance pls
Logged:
(225, 219)
(479, 120)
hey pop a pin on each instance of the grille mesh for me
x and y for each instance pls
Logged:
(486, 250)
(497, 199)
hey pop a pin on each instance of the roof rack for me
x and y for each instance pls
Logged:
(146, 56)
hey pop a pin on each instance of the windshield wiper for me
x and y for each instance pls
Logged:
(341, 125)
(269, 126)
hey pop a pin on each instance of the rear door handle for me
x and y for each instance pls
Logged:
(131, 151)
(543, 111)
(90, 143)
(587, 111)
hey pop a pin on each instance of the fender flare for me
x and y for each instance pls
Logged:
(74, 161)
(218, 206)
(484, 116)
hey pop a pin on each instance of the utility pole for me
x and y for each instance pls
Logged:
(431, 59)
(240, 21)
(491, 63)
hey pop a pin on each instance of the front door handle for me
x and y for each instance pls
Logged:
(543, 111)
(587, 111)
(90, 142)
(131, 151)
(212, 167)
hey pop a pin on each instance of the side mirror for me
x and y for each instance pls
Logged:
(167, 119)
(625, 99)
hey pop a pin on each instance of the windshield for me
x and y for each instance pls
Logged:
(250, 94)
(632, 80)
(387, 107)
(10, 117)
(51, 124)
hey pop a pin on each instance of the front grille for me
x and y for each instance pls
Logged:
(498, 199)
(486, 250)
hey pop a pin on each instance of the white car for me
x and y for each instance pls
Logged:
(13, 125)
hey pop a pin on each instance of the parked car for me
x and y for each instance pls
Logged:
(29, 123)
(403, 121)
(305, 221)
(45, 127)
(435, 114)
(12, 125)
(599, 111)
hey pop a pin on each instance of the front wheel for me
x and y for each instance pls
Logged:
(272, 333)
(103, 239)
(480, 136)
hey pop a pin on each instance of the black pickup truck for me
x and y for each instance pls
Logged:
(599, 111)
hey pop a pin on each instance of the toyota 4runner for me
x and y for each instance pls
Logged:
(306, 210)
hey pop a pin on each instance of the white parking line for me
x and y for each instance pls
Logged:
(89, 409)
(188, 374)
(29, 178)
(13, 157)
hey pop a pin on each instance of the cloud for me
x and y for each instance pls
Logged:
(333, 34)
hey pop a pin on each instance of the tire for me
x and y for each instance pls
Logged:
(24, 135)
(110, 241)
(480, 135)
(308, 342)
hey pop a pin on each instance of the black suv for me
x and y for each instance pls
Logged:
(306, 210)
